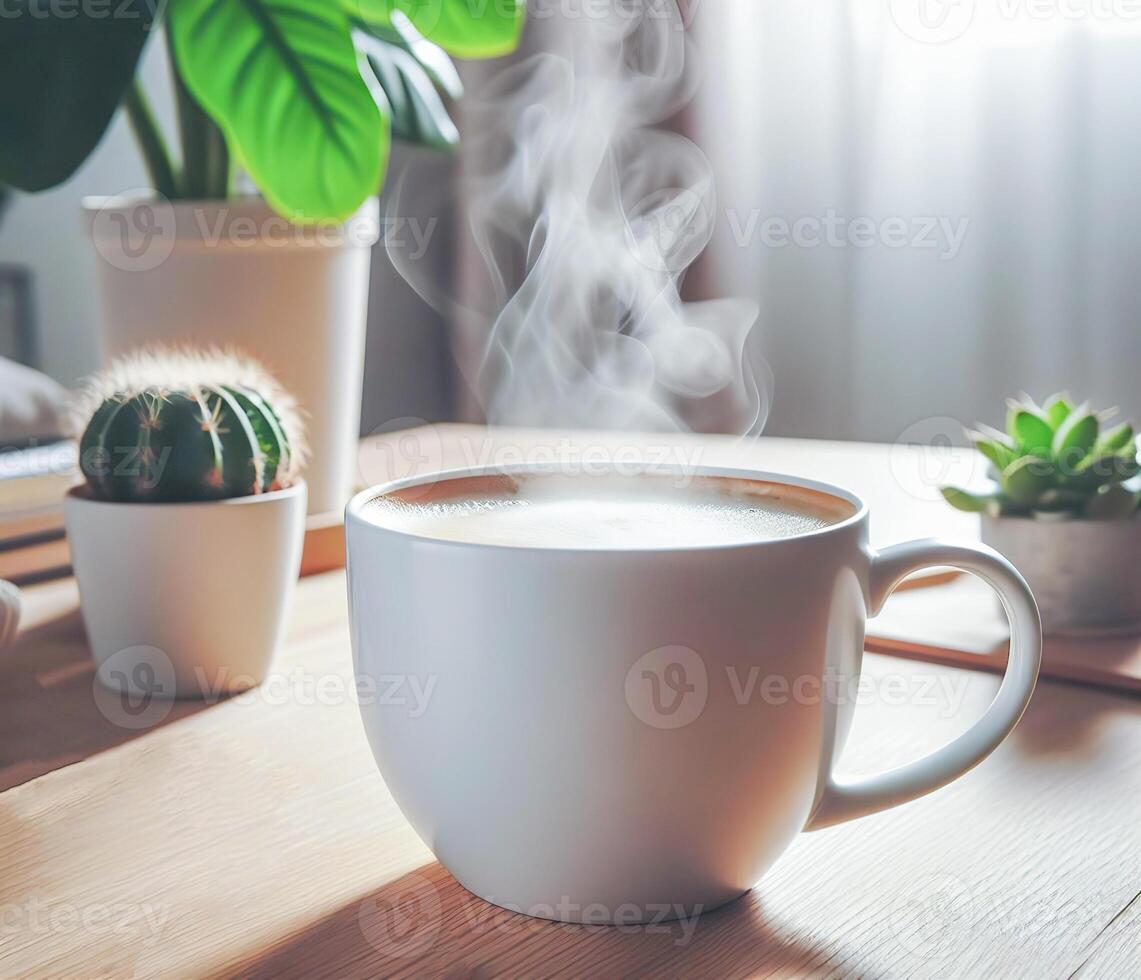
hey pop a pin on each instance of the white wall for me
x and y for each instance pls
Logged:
(408, 364)
(1021, 135)
(800, 114)
(45, 232)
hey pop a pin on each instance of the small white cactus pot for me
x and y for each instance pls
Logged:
(185, 600)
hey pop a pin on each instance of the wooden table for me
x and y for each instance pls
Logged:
(255, 837)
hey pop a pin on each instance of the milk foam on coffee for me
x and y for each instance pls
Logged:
(605, 512)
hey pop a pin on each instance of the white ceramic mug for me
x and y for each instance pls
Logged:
(557, 723)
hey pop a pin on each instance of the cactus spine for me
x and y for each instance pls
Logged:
(177, 442)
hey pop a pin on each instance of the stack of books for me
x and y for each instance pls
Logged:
(33, 481)
(33, 541)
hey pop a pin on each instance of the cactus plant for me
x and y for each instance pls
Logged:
(1055, 460)
(175, 426)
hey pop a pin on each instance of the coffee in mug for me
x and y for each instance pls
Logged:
(582, 755)
(638, 511)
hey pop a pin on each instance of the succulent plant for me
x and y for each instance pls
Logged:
(1055, 460)
(167, 426)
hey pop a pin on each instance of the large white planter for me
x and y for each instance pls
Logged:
(1084, 574)
(235, 273)
(185, 599)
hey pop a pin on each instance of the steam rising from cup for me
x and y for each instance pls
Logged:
(584, 219)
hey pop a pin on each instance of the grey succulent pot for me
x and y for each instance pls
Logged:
(1085, 575)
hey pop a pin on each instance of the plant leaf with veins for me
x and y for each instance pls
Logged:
(280, 77)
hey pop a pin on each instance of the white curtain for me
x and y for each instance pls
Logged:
(985, 158)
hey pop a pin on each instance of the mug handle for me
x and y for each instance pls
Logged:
(845, 801)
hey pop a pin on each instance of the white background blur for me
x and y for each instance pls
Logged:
(1015, 123)
(1019, 117)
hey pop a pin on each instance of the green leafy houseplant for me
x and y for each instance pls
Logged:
(303, 94)
(167, 427)
(1055, 460)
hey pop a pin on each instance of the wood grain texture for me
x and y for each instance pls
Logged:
(49, 713)
(324, 547)
(254, 837)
